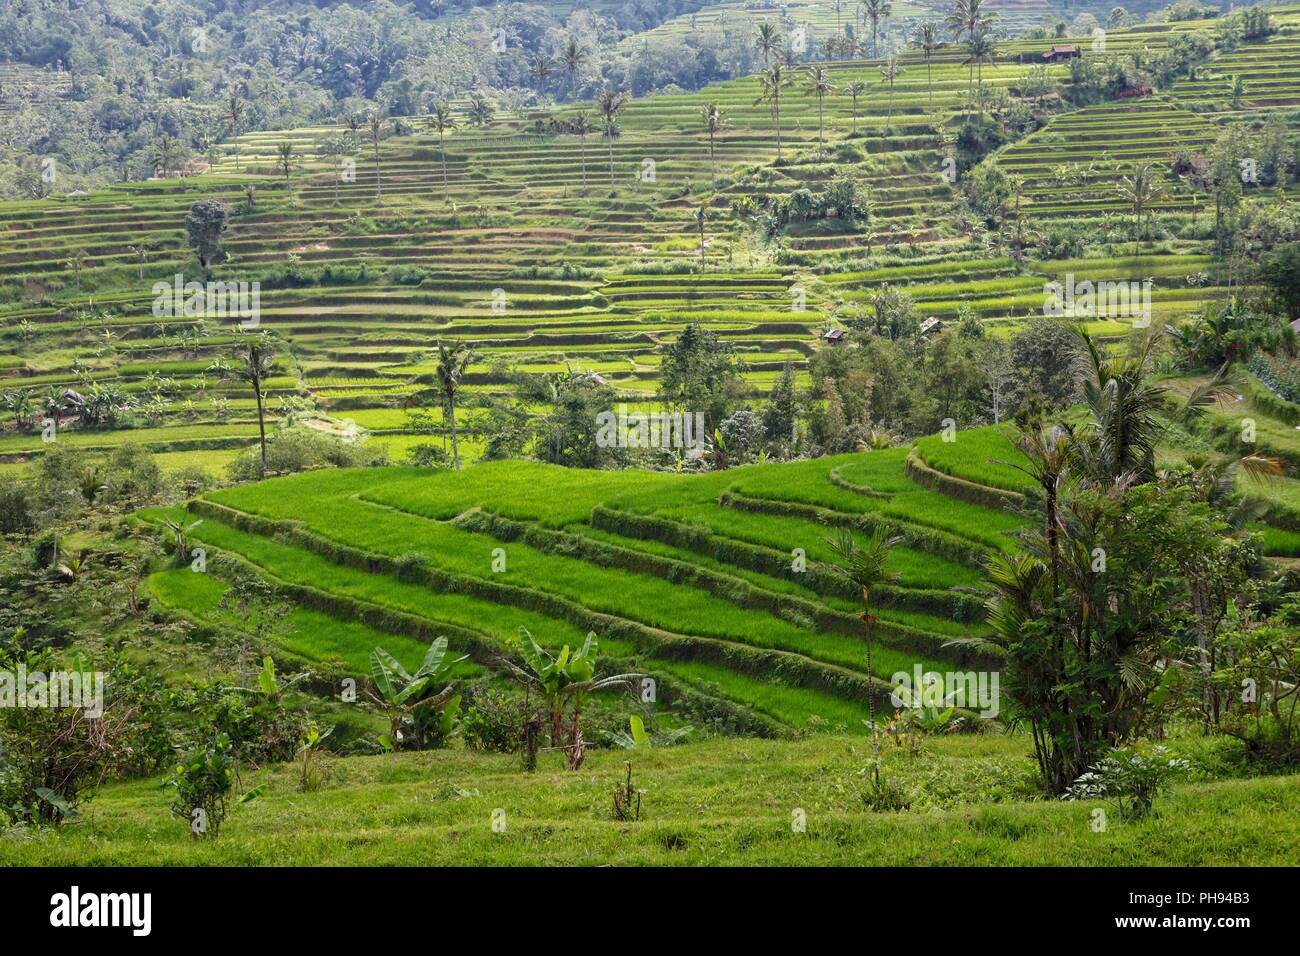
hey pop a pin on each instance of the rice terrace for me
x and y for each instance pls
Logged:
(766, 433)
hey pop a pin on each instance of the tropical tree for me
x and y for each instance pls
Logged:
(890, 72)
(980, 49)
(966, 19)
(768, 40)
(442, 121)
(773, 82)
(715, 121)
(1140, 191)
(563, 680)
(582, 127)
(876, 11)
(423, 702)
(611, 105)
(863, 567)
(855, 89)
(234, 113)
(541, 68)
(927, 41)
(452, 363)
(254, 355)
(571, 58)
(1238, 90)
(376, 123)
(819, 85)
(19, 403)
(284, 160)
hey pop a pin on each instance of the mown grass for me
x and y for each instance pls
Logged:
(726, 801)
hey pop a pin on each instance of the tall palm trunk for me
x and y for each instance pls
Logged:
(455, 445)
(261, 419)
(609, 136)
(871, 689)
(442, 149)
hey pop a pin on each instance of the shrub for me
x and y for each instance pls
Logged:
(298, 449)
(493, 722)
(202, 782)
(1134, 781)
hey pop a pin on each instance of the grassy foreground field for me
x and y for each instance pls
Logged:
(727, 802)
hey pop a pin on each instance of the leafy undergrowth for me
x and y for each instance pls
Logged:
(719, 802)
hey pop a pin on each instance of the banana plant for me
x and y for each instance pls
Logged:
(563, 679)
(413, 700)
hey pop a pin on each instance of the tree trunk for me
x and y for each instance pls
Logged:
(455, 446)
(446, 193)
(871, 690)
(261, 419)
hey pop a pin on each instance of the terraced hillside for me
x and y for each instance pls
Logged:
(713, 582)
(544, 248)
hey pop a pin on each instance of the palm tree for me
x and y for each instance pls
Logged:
(451, 368)
(773, 80)
(284, 159)
(571, 58)
(1118, 440)
(234, 113)
(966, 19)
(1141, 192)
(768, 40)
(981, 48)
(255, 355)
(927, 40)
(441, 120)
(855, 89)
(540, 68)
(715, 120)
(582, 127)
(876, 11)
(863, 566)
(890, 72)
(376, 131)
(610, 105)
(819, 85)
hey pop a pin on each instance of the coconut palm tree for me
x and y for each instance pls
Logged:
(571, 58)
(819, 85)
(284, 160)
(451, 369)
(890, 72)
(863, 566)
(876, 11)
(980, 49)
(927, 41)
(441, 119)
(855, 89)
(1140, 191)
(773, 81)
(541, 69)
(715, 121)
(966, 19)
(376, 123)
(768, 40)
(611, 105)
(581, 126)
(255, 363)
(234, 113)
